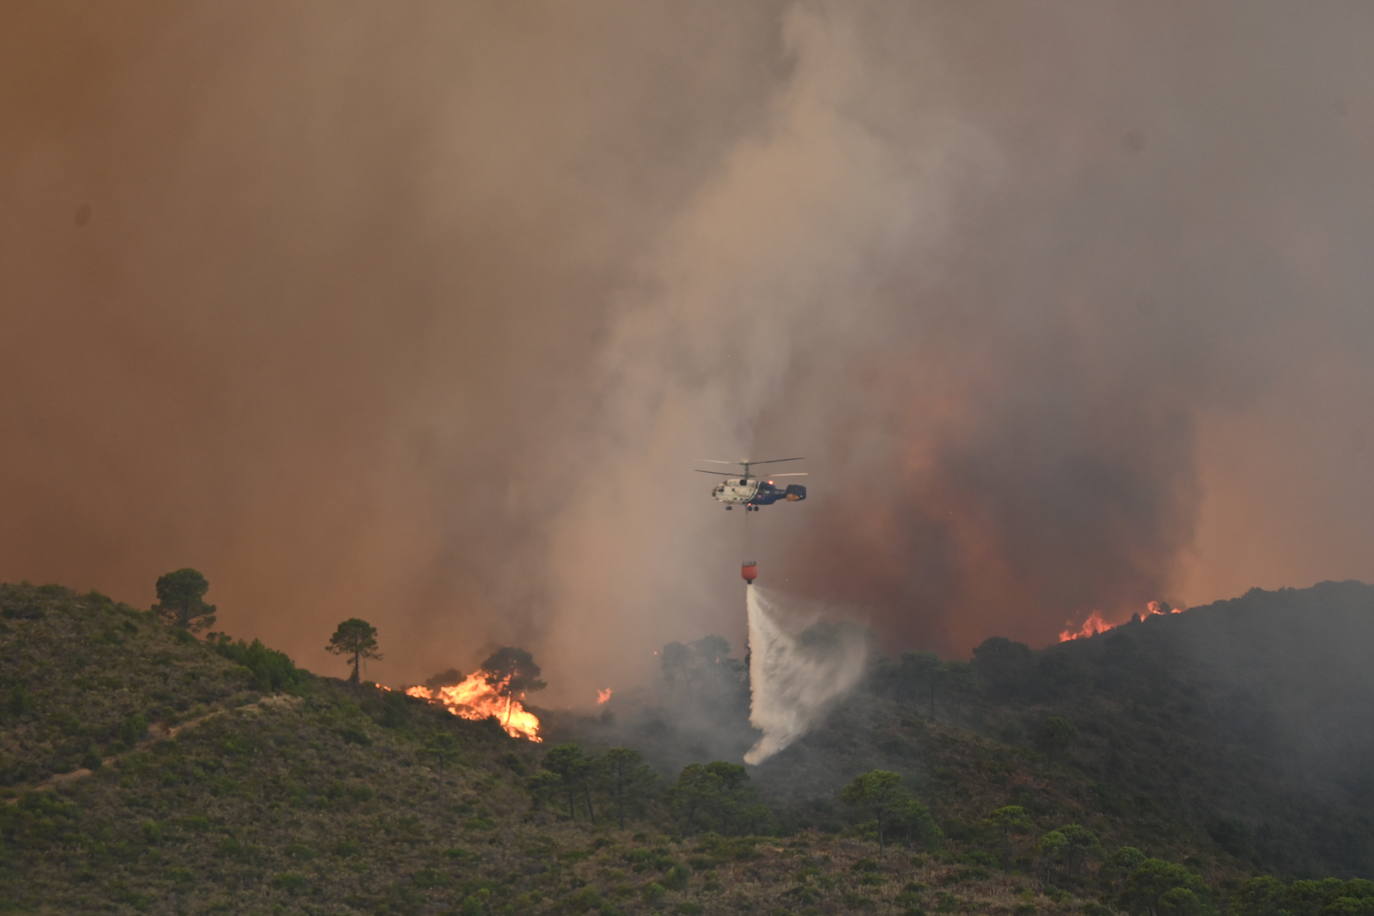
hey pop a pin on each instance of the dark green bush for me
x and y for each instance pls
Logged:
(677, 877)
(133, 729)
(268, 669)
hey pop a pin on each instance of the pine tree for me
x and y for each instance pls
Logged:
(357, 638)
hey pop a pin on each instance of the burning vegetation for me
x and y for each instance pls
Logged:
(1096, 623)
(497, 689)
(475, 697)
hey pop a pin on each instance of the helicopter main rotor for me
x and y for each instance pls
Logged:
(745, 465)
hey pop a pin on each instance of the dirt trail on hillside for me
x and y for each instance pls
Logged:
(158, 731)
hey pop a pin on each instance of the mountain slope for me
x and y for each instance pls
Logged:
(1238, 732)
(331, 798)
(149, 771)
(83, 677)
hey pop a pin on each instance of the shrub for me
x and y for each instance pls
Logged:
(133, 729)
(476, 903)
(291, 882)
(677, 877)
(396, 708)
(267, 669)
(20, 702)
(429, 877)
(354, 735)
(582, 900)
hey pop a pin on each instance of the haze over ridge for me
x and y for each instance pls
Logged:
(424, 317)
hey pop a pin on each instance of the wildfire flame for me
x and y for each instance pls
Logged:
(603, 695)
(1096, 623)
(1091, 627)
(475, 698)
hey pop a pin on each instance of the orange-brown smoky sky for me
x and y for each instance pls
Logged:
(422, 313)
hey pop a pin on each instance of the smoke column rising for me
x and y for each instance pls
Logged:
(798, 668)
(421, 313)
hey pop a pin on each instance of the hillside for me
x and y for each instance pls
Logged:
(147, 771)
(1238, 732)
(329, 798)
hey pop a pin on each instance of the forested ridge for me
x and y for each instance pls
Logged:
(1211, 761)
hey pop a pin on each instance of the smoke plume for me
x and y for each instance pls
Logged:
(798, 669)
(422, 315)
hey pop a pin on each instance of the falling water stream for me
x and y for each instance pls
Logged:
(799, 667)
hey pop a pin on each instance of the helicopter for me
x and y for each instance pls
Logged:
(753, 492)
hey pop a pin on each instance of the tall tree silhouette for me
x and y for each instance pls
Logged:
(357, 638)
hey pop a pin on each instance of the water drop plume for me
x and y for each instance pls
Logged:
(800, 665)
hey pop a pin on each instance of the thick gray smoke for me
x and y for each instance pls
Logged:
(421, 314)
(800, 665)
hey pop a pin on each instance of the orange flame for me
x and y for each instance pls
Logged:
(1091, 627)
(603, 695)
(474, 698)
(1097, 624)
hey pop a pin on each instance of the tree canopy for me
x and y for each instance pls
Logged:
(1003, 666)
(180, 600)
(1068, 849)
(627, 780)
(880, 795)
(357, 638)
(572, 769)
(716, 796)
(512, 672)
